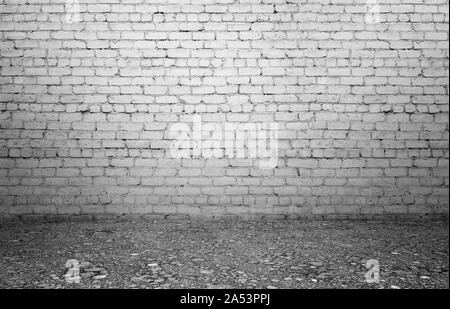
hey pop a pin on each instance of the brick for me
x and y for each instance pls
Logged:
(360, 112)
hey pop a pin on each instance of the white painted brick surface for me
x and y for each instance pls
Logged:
(362, 107)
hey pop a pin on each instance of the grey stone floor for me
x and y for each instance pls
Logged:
(240, 254)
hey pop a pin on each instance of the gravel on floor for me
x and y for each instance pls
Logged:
(229, 254)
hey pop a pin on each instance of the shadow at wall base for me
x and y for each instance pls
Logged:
(159, 217)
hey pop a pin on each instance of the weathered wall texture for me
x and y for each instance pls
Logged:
(362, 107)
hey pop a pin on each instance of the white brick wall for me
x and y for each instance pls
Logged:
(362, 107)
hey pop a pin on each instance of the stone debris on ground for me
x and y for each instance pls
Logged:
(242, 254)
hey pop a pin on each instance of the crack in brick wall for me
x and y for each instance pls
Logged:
(362, 108)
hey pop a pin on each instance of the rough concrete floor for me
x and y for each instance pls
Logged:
(240, 254)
